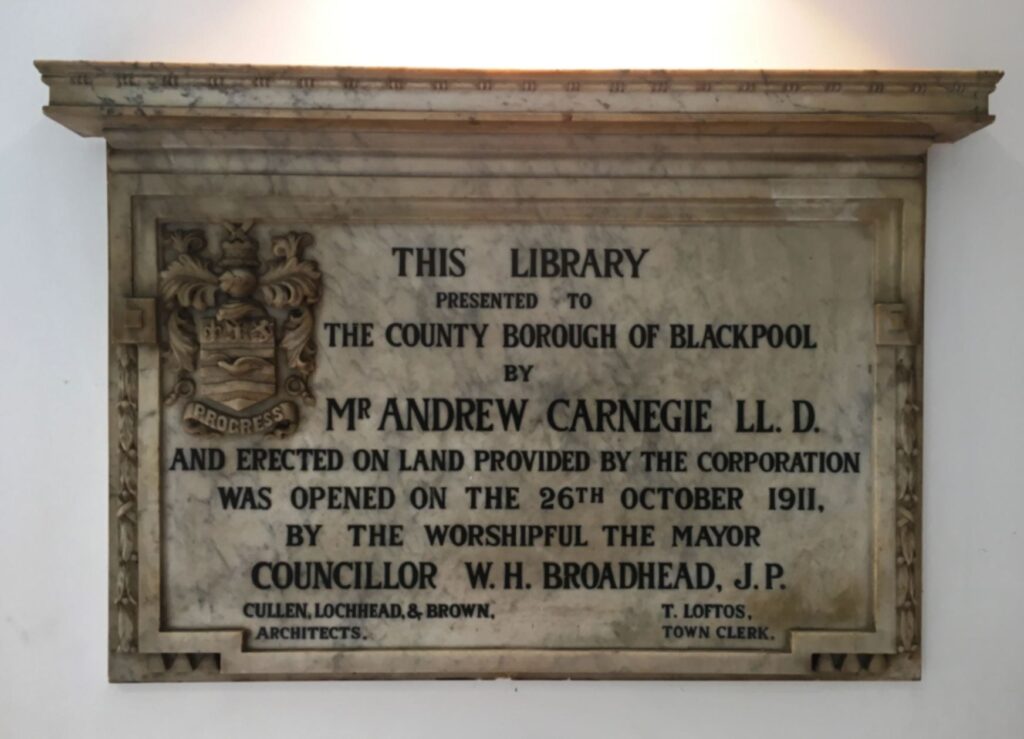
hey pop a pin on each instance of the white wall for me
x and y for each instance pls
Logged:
(53, 550)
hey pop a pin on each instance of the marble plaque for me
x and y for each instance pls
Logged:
(468, 374)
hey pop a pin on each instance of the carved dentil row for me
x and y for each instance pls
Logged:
(531, 85)
(157, 76)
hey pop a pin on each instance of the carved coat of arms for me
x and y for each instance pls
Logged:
(235, 326)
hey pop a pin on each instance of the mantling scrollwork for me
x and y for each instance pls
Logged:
(294, 283)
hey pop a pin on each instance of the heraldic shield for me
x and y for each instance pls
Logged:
(237, 361)
(233, 324)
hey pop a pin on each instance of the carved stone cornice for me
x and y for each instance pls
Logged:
(96, 98)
